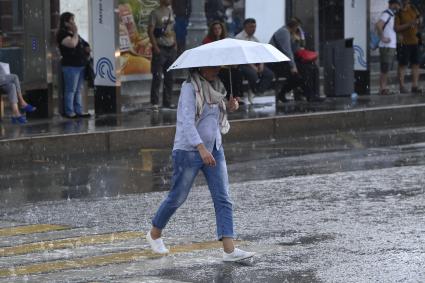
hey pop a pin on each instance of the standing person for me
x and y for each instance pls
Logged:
(214, 11)
(201, 119)
(182, 10)
(258, 75)
(387, 44)
(75, 53)
(407, 23)
(9, 83)
(216, 31)
(163, 40)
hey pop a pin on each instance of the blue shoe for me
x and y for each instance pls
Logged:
(19, 120)
(29, 108)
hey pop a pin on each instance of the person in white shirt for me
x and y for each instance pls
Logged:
(258, 75)
(388, 43)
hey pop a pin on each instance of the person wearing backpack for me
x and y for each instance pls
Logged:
(387, 44)
(407, 24)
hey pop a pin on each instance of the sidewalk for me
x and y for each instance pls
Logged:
(144, 129)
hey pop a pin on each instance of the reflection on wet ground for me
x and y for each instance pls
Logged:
(319, 228)
(264, 106)
(93, 176)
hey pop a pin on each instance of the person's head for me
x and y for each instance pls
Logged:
(209, 73)
(405, 3)
(165, 2)
(293, 25)
(394, 5)
(249, 26)
(65, 20)
(217, 30)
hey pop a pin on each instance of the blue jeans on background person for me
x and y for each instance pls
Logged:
(73, 78)
(180, 28)
(186, 165)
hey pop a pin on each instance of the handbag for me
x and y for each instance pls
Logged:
(89, 73)
(159, 32)
(306, 56)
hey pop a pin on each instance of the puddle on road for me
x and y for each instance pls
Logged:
(308, 240)
(236, 272)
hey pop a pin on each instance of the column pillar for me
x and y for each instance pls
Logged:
(106, 55)
(197, 28)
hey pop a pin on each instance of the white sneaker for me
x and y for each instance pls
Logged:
(155, 107)
(236, 255)
(157, 245)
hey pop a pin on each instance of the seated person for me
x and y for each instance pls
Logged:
(217, 31)
(259, 76)
(9, 83)
(304, 75)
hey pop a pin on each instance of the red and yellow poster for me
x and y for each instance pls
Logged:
(136, 49)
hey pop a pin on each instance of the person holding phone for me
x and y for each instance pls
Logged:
(75, 53)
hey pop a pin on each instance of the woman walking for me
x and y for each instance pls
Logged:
(201, 119)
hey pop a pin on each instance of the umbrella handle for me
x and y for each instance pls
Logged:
(231, 86)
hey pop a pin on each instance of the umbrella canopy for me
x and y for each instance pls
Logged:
(228, 52)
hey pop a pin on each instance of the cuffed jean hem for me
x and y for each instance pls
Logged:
(220, 237)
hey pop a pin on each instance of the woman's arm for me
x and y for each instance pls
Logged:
(186, 113)
(71, 41)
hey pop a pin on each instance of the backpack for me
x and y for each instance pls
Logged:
(374, 37)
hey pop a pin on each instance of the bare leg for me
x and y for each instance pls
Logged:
(228, 245)
(15, 110)
(415, 75)
(383, 81)
(401, 72)
(21, 100)
(155, 233)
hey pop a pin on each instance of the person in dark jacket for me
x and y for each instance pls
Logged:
(214, 11)
(75, 53)
(182, 10)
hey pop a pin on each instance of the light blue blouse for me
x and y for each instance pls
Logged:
(190, 131)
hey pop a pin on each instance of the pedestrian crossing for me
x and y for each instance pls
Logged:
(30, 229)
(83, 252)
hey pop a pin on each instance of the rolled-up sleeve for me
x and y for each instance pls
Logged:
(186, 114)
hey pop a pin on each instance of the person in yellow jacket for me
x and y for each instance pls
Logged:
(407, 23)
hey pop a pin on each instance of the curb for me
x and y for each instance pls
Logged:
(273, 128)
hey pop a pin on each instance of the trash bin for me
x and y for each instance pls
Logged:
(339, 67)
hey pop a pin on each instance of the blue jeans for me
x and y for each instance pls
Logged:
(186, 166)
(73, 78)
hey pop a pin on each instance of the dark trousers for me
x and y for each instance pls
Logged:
(159, 65)
(307, 78)
(237, 79)
(257, 82)
(310, 74)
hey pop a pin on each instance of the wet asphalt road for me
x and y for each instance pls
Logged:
(347, 207)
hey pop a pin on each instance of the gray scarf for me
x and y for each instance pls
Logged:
(211, 93)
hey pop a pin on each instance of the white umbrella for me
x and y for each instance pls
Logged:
(228, 52)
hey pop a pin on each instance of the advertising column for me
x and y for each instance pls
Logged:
(106, 55)
(356, 26)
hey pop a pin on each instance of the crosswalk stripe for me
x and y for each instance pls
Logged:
(30, 229)
(97, 261)
(69, 243)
